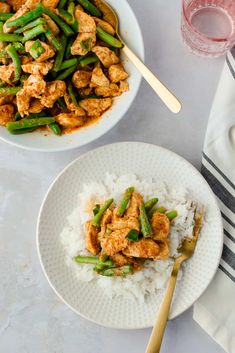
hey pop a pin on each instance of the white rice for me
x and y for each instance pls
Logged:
(155, 274)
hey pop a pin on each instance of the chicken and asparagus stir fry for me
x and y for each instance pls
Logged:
(60, 64)
(121, 238)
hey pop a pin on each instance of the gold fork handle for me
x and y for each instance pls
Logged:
(162, 91)
(157, 334)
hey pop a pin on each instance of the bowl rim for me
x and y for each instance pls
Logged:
(106, 146)
(112, 123)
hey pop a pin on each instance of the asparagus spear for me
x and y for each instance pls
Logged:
(150, 203)
(97, 219)
(145, 225)
(124, 202)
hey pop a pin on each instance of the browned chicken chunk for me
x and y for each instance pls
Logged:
(106, 56)
(124, 86)
(104, 25)
(70, 120)
(35, 67)
(21, 11)
(6, 114)
(23, 102)
(164, 250)
(111, 91)
(117, 73)
(95, 107)
(160, 225)
(145, 248)
(35, 106)
(83, 43)
(7, 73)
(125, 222)
(135, 202)
(51, 24)
(81, 78)
(4, 7)
(7, 99)
(98, 78)
(85, 91)
(48, 53)
(54, 90)
(92, 243)
(115, 242)
(50, 3)
(106, 219)
(86, 22)
(34, 86)
(16, 4)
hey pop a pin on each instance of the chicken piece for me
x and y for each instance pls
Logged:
(23, 102)
(107, 14)
(4, 7)
(32, 4)
(115, 242)
(6, 113)
(36, 68)
(79, 7)
(121, 260)
(104, 25)
(144, 248)
(86, 22)
(160, 225)
(85, 91)
(81, 78)
(21, 11)
(92, 243)
(124, 222)
(48, 53)
(7, 73)
(135, 202)
(95, 106)
(7, 99)
(106, 219)
(51, 24)
(98, 78)
(35, 106)
(83, 43)
(106, 56)
(26, 59)
(73, 107)
(111, 91)
(54, 90)
(117, 73)
(34, 86)
(15, 4)
(70, 120)
(124, 86)
(50, 3)
(164, 250)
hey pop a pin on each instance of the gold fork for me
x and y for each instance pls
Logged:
(186, 250)
(160, 89)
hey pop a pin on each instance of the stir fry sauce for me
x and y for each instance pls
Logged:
(60, 65)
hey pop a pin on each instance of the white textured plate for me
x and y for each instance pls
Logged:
(146, 161)
(131, 34)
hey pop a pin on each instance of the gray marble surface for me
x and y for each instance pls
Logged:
(32, 319)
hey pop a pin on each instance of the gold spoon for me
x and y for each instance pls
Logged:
(161, 90)
(186, 250)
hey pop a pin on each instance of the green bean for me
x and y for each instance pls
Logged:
(36, 49)
(16, 62)
(90, 8)
(93, 260)
(61, 103)
(88, 60)
(69, 19)
(24, 78)
(29, 123)
(52, 39)
(145, 225)
(96, 209)
(68, 63)
(4, 54)
(34, 32)
(5, 16)
(8, 37)
(97, 219)
(36, 115)
(68, 31)
(62, 4)
(1, 27)
(22, 131)
(72, 94)
(108, 38)
(17, 116)
(161, 209)
(118, 271)
(133, 235)
(68, 48)
(24, 19)
(6, 91)
(150, 203)
(55, 128)
(60, 54)
(64, 74)
(124, 202)
(19, 47)
(172, 214)
(71, 10)
(2, 84)
(38, 21)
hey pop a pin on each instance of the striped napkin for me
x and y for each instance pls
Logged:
(215, 310)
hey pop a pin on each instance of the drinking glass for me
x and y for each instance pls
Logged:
(208, 26)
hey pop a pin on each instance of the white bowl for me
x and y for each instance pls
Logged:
(146, 161)
(131, 34)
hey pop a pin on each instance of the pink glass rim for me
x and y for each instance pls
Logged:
(203, 35)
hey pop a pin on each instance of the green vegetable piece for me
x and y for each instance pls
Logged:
(150, 203)
(68, 63)
(38, 21)
(2, 84)
(16, 62)
(21, 131)
(133, 235)
(172, 214)
(90, 8)
(68, 31)
(93, 260)
(34, 32)
(19, 47)
(118, 271)
(124, 202)
(97, 219)
(68, 48)
(72, 94)
(8, 37)
(17, 116)
(145, 225)
(96, 209)
(64, 74)
(161, 209)
(60, 54)
(36, 49)
(29, 123)
(84, 61)
(108, 38)
(52, 39)
(27, 17)
(37, 115)
(62, 4)
(61, 103)
(55, 128)
(5, 16)
(6, 91)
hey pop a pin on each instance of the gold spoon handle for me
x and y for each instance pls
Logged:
(162, 91)
(157, 334)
